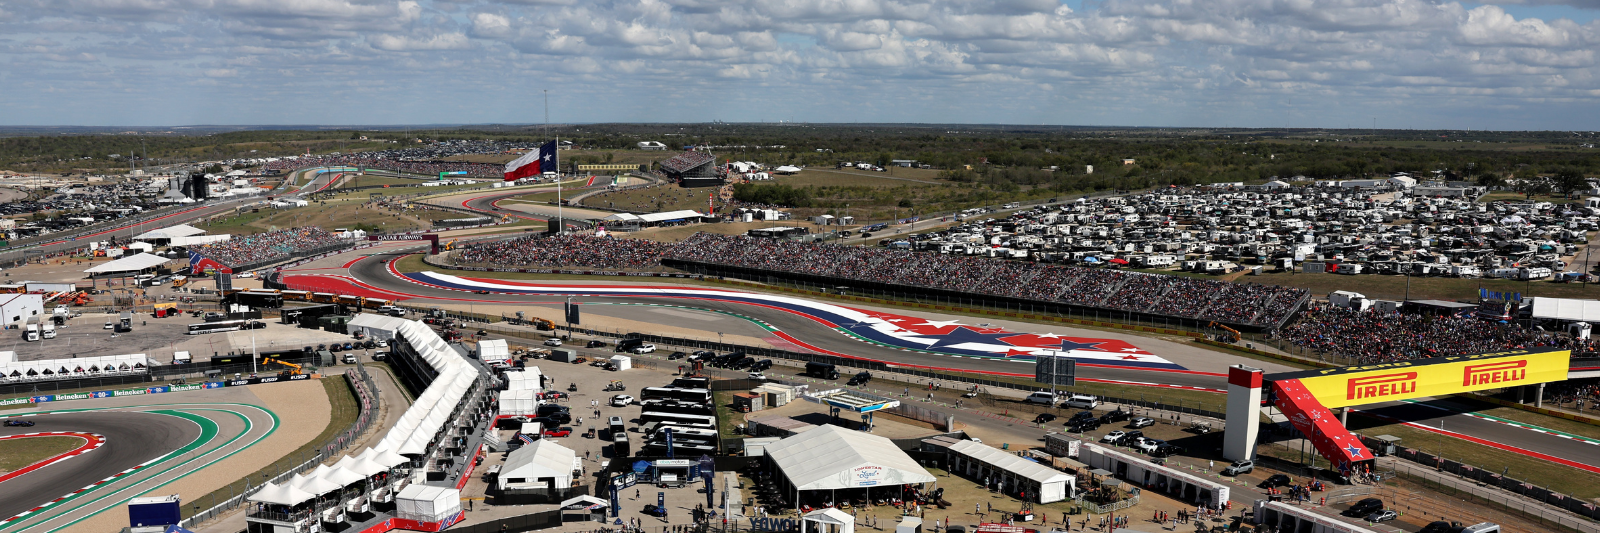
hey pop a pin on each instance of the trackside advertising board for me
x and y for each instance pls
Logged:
(1400, 380)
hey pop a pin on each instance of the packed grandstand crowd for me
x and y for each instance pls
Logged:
(1098, 287)
(565, 251)
(426, 160)
(1375, 337)
(248, 249)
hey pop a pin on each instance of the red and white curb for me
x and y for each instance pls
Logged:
(92, 441)
(114, 477)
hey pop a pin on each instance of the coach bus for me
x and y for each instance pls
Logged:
(219, 327)
(679, 419)
(673, 393)
(674, 406)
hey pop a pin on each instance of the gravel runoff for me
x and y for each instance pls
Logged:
(303, 411)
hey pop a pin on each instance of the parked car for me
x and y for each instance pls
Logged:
(1081, 401)
(1149, 445)
(1166, 450)
(580, 360)
(1244, 466)
(1283, 480)
(676, 355)
(1115, 416)
(1041, 397)
(594, 344)
(1044, 418)
(554, 395)
(552, 342)
(1141, 422)
(1383, 516)
(554, 420)
(14, 423)
(863, 378)
(644, 348)
(652, 510)
(621, 400)
(349, 359)
(1112, 437)
(557, 432)
(1364, 507)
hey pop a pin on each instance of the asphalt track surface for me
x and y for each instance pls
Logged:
(131, 438)
(1554, 446)
(156, 446)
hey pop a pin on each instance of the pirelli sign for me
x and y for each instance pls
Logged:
(1400, 380)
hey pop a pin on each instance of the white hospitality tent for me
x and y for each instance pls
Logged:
(833, 458)
(541, 465)
(827, 520)
(427, 503)
(133, 263)
(170, 232)
(280, 495)
(1043, 484)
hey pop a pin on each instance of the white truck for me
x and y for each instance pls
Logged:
(48, 330)
(31, 334)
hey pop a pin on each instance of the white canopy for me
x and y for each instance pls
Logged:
(1566, 309)
(171, 232)
(340, 475)
(827, 520)
(129, 264)
(280, 495)
(426, 503)
(542, 459)
(831, 457)
(585, 502)
(388, 458)
(313, 484)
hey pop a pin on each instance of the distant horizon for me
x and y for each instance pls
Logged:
(445, 125)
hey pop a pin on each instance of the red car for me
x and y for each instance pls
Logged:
(558, 432)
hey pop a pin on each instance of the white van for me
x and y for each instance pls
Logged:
(1041, 397)
(1081, 401)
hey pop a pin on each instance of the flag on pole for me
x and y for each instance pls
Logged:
(533, 163)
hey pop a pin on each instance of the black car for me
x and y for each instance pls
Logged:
(1082, 415)
(1166, 450)
(676, 355)
(14, 423)
(1364, 507)
(1115, 416)
(480, 291)
(1084, 425)
(553, 420)
(594, 344)
(1131, 436)
(705, 353)
(1440, 526)
(743, 363)
(762, 365)
(652, 510)
(1281, 480)
(1044, 418)
(860, 379)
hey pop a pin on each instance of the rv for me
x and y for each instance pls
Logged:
(1533, 273)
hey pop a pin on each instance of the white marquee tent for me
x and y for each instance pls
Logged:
(537, 464)
(832, 457)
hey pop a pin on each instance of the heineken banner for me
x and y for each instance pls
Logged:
(148, 390)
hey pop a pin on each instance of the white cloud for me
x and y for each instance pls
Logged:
(1119, 61)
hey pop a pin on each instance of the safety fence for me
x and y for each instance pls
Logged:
(1113, 506)
(233, 496)
(1538, 504)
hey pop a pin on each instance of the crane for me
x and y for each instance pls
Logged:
(294, 368)
(1235, 332)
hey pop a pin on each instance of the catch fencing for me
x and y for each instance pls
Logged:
(1530, 501)
(233, 496)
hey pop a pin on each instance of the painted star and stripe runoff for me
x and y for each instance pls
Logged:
(945, 337)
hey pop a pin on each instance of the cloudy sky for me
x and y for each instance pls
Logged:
(1528, 64)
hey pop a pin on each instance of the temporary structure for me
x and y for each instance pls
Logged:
(832, 457)
(280, 495)
(827, 520)
(427, 503)
(543, 464)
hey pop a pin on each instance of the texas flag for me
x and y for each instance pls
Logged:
(533, 163)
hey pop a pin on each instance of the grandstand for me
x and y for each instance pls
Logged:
(694, 169)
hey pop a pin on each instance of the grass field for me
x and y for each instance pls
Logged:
(333, 215)
(345, 411)
(19, 453)
(1508, 196)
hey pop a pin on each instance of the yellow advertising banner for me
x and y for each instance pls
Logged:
(1400, 380)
